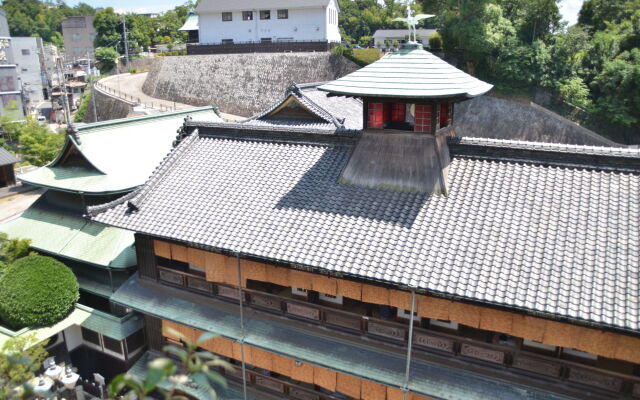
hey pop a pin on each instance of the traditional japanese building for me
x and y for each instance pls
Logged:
(99, 162)
(391, 261)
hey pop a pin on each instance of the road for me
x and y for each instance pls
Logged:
(14, 205)
(129, 87)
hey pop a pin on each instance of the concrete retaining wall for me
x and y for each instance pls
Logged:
(491, 117)
(240, 84)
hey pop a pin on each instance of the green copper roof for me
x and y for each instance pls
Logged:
(305, 344)
(71, 236)
(117, 328)
(120, 154)
(191, 23)
(111, 326)
(410, 72)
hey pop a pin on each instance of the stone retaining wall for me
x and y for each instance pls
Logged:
(108, 108)
(491, 117)
(240, 84)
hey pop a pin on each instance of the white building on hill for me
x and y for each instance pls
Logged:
(268, 21)
(382, 37)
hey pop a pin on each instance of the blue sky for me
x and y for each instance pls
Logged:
(569, 8)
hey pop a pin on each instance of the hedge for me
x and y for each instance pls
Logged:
(36, 291)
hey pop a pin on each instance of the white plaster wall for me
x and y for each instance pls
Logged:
(302, 24)
(29, 68)
(73, 337)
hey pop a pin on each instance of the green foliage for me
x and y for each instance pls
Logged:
(11, 249)
(35, 142)
(39, 18)
(20, 359)
(107, 57)
(84, 106)
(361, 57)
(435, 41)
(164, 376)
(575, 91)
(617, 89)
(361, 18)
(595, 14)
(36, 291)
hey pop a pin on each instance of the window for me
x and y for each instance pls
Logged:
(227, 41)
(265, 14)
(195, 270)
(247, 15)
(330, 299)
(90, 336)
(135, 341)
(283, 14)
(112, 345)
(75, 37)
(24, 70)
(443, 324)
(227, 16)
(265, 40)
(25, 52)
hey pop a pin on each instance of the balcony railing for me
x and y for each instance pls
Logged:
(515, 359)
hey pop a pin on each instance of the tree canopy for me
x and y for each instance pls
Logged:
(36, 291)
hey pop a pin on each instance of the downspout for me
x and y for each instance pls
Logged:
(240, 293)
(405, 389)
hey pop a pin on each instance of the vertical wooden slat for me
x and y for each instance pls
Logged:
(153, 332)
(146, 257)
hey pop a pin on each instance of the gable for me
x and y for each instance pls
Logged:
(292, 109)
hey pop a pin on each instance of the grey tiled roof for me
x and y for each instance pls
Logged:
(512, 231)
(336, 112)
(7, 158)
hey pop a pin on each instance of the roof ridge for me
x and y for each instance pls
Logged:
(133, 120)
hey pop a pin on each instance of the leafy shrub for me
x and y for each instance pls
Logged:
(575, 91)
(84, 105)
(435, 41)
(361, 57)
(36, 291)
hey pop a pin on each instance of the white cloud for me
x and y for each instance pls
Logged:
(570, 9)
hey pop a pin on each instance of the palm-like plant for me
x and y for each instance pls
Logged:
(195, 367)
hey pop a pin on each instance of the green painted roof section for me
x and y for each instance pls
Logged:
(71, 236)
(124, 153)
(140, 368)
(117, 328)
(191, 23)
(300, 342)
(411, 73)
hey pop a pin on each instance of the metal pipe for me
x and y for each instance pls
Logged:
(244, 370)
(405, 389)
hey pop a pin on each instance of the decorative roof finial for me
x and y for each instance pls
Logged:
(72, 131)
(412, 21)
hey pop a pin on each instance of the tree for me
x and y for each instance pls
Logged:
(107, 57)
(11, 249)
(195, 367)
(36, 143)
(36, 291)
(575, 91)
(108, 29)
(20, 359)
(477, 29)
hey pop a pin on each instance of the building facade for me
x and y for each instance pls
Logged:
(275, 21)
(79, 34)
(10, 91)
(28, 54)
(92, 168)
(386, 38)
(390, 259)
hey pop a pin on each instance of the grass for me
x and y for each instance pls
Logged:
(364, 57)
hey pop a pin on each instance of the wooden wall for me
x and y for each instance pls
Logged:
(223, 269)
(325, 378)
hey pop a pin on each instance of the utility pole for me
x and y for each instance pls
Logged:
(63, 90)
(126, 41)
(93, 93)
